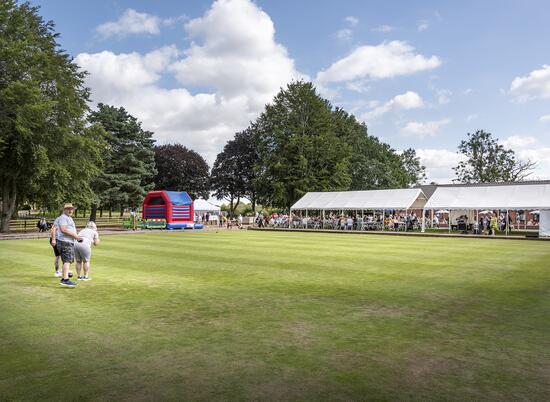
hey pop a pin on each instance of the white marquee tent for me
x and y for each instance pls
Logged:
(400, 199)
(202, 206)
(510, 197)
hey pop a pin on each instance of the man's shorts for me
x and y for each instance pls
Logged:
(82, 252)
(66, 250)
(55, 250)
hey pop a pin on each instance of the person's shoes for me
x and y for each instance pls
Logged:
(57, 274)
(86, 278)
(68, 283)
(80, 278)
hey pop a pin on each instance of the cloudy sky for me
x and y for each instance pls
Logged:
(421, 74)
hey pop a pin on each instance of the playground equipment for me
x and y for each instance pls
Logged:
(174, 209)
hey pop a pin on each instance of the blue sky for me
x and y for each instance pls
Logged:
(421, 74)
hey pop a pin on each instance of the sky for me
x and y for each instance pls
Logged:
(420, 74)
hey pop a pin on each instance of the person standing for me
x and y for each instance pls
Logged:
(53, 243)
(83, 250)
(65, 242)
(493, 224)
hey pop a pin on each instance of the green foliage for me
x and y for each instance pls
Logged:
(129, 158)
(488, 161)
(297, 147)
(303, 145)
(233, 173)
(373, 164)
(416, 172)
(181, 169)
(47, 154)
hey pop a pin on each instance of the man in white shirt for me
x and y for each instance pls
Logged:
(66, 236)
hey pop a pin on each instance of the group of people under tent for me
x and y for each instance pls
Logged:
(487, 223)
(393, 221)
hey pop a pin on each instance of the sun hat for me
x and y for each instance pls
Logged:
(68, 205)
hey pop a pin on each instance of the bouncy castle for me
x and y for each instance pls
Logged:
(175, 207)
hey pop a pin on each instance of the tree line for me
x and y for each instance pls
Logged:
(54, 148)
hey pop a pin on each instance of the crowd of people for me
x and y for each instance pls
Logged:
(69, 245)
(394, 221)
(221, 220)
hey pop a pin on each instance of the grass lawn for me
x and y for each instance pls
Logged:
(278, 316)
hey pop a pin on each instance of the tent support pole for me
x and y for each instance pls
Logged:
(449, 216)
(506, 222)
(323, 223)
(383, 218)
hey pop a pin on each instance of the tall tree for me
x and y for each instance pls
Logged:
(297, 147)
(42, 103)
(129, 159)
(415, 171)
(181, 169)
(485, 160)
(233, 171)
(373, 164)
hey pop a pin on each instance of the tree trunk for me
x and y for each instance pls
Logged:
(93, 213)
(121, 211)
(9, 198)
(101, 211)
(231, 207)
(110, 211)
(253, 201)
(236, 205)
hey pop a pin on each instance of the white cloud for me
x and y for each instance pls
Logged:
(534, 86)
(386, 60)
(406, 101)
(439, 164)
(344, 34)
(130, 22)
(422, 26)
(352, 21)
(545, 118)
(443, 96)
(383, 28)
(424, 129)
(471, 117)
(467, 91)
(359, 86)
(233, 63)
(519, 141)
(527, 147)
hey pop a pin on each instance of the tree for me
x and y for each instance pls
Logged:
(181, 169)
(488, 161)
(297, 147)
(415, 171)
(233, 171)
(244, 142)
(129, 159)
(372, 163)
(44, 141)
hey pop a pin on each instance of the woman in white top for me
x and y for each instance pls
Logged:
(83, 250)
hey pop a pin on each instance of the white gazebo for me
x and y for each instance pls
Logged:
(202, 206)
(381, 200)
(509, 197)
